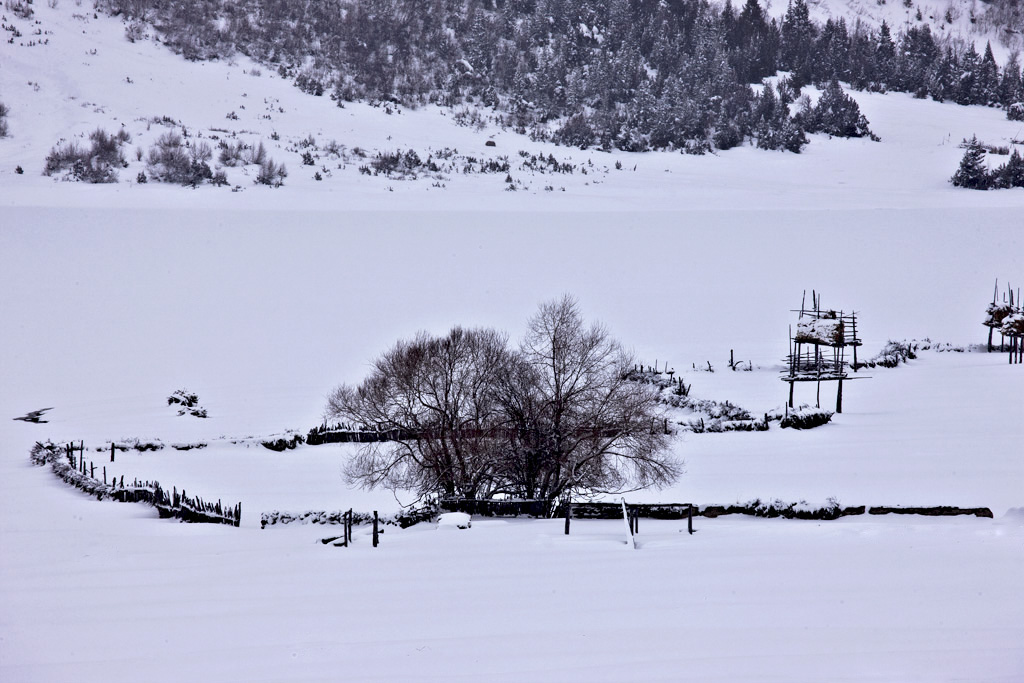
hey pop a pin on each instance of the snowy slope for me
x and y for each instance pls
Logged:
(969, 21)
(88, 75)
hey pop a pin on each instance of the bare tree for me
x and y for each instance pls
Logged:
(467, 416)
(582, 425)
(435, 397)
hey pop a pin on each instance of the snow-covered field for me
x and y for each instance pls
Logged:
(262, 300)
(262, 319)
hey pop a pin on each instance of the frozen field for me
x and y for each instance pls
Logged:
(261, 321)
(261, 301)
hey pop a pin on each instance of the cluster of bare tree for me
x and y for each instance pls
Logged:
(555, 416)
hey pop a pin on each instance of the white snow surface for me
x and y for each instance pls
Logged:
(261, 301)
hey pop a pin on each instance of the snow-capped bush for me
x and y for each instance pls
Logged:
(271, 174)
(188, 402)
(170, 160)
(3, 120)
(283, 444)
(807, 418)
(94, 164)
(892, 354)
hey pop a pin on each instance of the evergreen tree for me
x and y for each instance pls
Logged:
(885, 58)
(973, 173)
(1010, 174)
(838, 114)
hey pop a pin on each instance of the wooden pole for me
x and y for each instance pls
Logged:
(689, 519)
(111, 451)
(839, 397)
(568, 515)
(375, 532)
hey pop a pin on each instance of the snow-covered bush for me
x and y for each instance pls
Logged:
(94, 164)
(188, 403)
(170, 160)
(3, 120)
(807, 418)
(20, 8)
(231, 154)
(892, 354)
(271, 173)
(282, 444)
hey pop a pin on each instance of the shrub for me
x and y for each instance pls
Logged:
(188, 403)
(282, 444)
(258, 155)
(94, 164)
(232, 154)
(171, 161)
(168, 160)
(271, 173)
(807, 418)
(3, 120)
(21, 8)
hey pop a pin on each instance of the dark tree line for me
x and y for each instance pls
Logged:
(625, 74)
(477, 417)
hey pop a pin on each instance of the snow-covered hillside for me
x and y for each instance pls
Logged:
(967, 20)
(80, 73)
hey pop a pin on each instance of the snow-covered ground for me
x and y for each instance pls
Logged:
(261, 318)
(262, 300)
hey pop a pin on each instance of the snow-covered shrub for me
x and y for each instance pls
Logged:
(1015, 112)
(892, 354)
(172, 161)
(232, 154)
(135, 30)
(271, 173)
(454, 520)
(281, 444)
(257, 155)
(188, 403)
(807, 418)
(3, 120)
(20, 8)
(94, 164)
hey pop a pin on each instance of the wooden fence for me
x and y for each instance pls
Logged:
(69, 463)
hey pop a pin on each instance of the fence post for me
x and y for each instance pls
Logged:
(111, 451)
(689, 519)
(568, 515)
(375, 529)
(104, 475)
